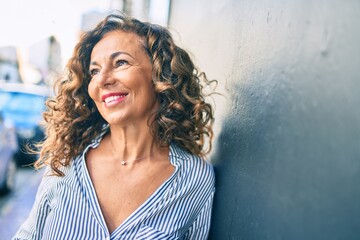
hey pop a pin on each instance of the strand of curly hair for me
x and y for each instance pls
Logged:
(184, 117)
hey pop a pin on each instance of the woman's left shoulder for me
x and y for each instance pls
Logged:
(192, 166)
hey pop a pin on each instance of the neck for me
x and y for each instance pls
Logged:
(132, 142)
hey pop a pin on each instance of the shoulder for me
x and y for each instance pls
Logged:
(52, 182)
(193, 170)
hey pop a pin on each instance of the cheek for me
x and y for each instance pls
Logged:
(92, 91)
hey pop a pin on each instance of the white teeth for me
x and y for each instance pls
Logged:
(112, 98)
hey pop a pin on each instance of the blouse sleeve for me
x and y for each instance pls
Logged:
(200, 228)
(33, 226)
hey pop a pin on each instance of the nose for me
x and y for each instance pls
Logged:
(105, 78)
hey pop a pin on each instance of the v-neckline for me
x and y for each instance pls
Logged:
(139, 213)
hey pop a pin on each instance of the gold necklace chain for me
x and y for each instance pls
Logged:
(123, 162)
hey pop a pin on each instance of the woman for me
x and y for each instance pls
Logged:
(125, 136)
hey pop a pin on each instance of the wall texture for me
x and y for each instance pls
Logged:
(287, 152)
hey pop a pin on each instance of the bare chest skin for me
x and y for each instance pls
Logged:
(122, 189)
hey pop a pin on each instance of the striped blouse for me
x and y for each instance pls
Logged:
(66, 207)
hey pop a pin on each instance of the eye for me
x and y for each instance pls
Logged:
(94, 71)
(120, 62)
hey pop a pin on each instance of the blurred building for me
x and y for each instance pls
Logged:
(45, 58)
(154, 11)
(9, 64)
(90, 19)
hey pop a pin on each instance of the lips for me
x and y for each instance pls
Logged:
(113, 97)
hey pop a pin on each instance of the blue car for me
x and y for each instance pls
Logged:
(8, 147)
(23, 105)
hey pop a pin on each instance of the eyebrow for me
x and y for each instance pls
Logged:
(112, 56)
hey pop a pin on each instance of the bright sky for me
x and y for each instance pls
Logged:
(24, 22)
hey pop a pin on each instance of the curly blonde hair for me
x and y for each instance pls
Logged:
(73, 121)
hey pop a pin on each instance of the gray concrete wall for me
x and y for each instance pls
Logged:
(287, 152)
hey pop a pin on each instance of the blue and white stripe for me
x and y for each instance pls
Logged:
(67, 207)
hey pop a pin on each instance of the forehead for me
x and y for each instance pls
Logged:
(118, 41)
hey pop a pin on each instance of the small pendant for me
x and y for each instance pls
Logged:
(123, 163)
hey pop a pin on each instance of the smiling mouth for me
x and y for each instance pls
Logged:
(114, 98)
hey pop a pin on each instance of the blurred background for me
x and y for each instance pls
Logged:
(38, 36)
(287, 132)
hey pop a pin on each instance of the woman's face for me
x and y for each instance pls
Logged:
(121, 84)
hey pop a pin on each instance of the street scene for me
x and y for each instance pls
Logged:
(15, 206)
